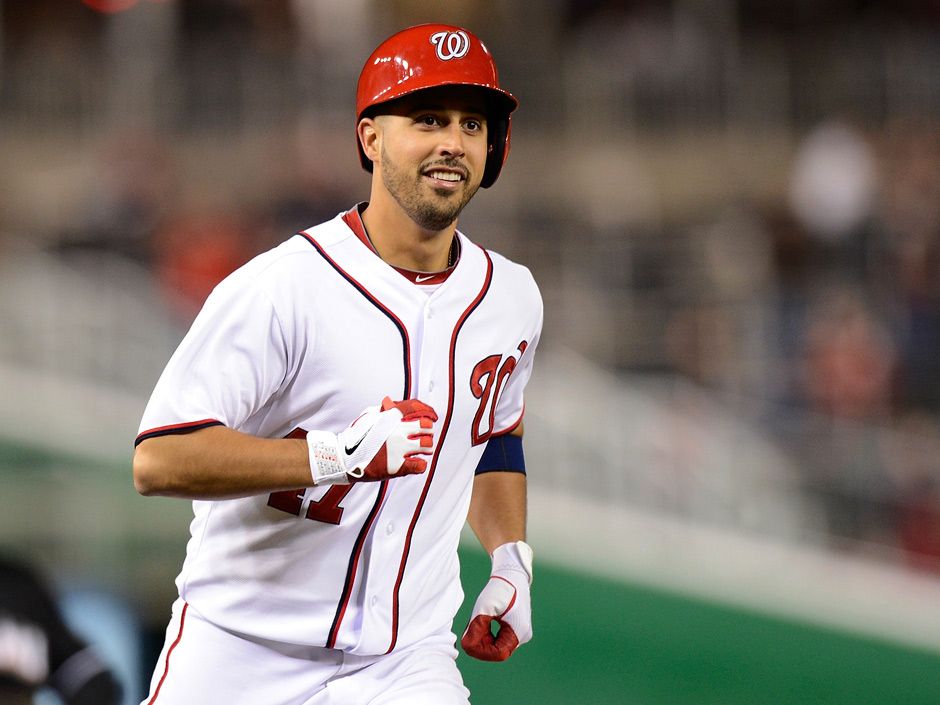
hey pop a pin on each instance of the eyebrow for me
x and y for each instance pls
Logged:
(440, 107)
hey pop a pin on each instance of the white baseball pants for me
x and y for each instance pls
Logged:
(201, 663)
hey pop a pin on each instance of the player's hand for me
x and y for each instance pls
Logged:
(505, 600)
(396, 438)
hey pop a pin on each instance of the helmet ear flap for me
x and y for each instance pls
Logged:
(498, 150)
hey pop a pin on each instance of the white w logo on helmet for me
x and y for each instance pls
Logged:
(451, 45)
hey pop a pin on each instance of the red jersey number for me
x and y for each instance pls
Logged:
(486, 383)
(325, 509)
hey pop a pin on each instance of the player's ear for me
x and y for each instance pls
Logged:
(369, 136)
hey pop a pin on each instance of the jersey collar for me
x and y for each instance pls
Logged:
(353, 218)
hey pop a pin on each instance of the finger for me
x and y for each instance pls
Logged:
(377, 468)
(477, 636)
(415, 426)
(419, 437)
(413, 466)
(425, 440)
(412, 409)
(506, 640)
(479, 643)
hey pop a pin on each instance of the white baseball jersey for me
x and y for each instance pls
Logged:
(304, 337)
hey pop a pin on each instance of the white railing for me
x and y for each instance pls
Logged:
(95, 317)
(83, 340)
(659, 445)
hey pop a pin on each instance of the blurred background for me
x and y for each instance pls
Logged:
(732, 208)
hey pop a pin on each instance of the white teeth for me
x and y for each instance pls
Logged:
(445, 176)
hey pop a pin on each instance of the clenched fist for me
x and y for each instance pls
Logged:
(505, 600)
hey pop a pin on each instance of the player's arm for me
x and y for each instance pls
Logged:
(498, 504)
(217, 462)
(497, 517)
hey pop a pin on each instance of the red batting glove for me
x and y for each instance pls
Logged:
(505, 600)
(395, 438)
(407, 451)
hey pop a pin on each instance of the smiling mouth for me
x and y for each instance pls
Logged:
(445, 176)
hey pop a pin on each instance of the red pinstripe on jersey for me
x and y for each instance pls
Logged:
(444, 428)
(406, 343)
(169, 652)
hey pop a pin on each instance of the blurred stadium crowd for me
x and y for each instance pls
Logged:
(740, 194)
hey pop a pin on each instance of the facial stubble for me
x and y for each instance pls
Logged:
(430, 214)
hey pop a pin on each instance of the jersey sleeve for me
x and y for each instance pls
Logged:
(510, 406)
(228, 366)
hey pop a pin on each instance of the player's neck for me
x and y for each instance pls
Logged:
(403, 243)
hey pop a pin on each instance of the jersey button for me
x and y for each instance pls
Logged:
(374, 601)
(431, 386)
(390, 529)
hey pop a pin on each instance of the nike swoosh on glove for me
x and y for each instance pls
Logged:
(395, 438)
(505, 599)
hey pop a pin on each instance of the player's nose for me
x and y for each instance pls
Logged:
(452, 140)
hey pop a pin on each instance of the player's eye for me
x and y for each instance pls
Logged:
(473, 125)
(427, 120)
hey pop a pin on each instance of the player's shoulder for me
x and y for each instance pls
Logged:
(513, 287)
(502, 265)
(506, 266)
(513, 275)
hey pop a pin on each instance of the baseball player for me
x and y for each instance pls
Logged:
(341, 406)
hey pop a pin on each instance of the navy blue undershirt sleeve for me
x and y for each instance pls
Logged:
(503, 453)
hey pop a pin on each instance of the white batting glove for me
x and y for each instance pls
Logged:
(506, 600)
(382, 442)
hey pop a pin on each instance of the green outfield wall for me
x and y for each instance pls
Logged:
(599, 642)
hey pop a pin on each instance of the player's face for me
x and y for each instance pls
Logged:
(433, 152)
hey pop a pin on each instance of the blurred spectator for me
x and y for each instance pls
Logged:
(911, 193)
(195, 251)
(306, 186)
(849, 359)
(37, 649)
(132, 193)
(910, 272)
(832, 190)
(848, 367)
(701, 344)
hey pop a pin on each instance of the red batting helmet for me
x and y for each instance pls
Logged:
(432, 55)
